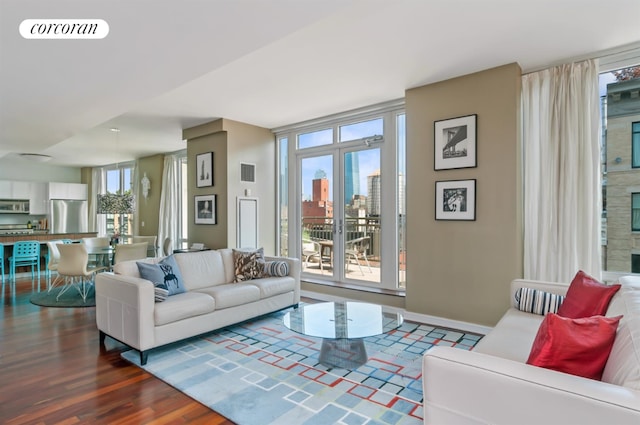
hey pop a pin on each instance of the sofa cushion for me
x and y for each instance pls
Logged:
(276, 268)
(270, 286)
(577, 346)
(201, 269)
(130, 268)
(183, 306)
(512, 336)
(248, 264)
(166, 275)
(586, 297)
(623, 366)
(232, 294)
(537, 302)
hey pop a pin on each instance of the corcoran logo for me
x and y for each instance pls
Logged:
(64, 29)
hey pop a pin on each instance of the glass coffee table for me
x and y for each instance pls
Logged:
(342, 327)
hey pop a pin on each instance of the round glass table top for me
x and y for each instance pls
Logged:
(344, 319)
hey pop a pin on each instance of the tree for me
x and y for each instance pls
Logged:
(626, 74)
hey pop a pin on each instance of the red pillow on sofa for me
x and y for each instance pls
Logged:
(577, 346)
(586, 297)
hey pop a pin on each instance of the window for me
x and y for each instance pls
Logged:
(620, 164)
(635, 212)
(635, 263)
(635, 145)
(119, 181)
(346, 175)
(361, 130)
(283, 195)
(315, 138)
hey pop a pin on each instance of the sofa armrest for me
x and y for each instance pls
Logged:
(471, 388)
(559, 288)
(125, 309)
(294, 271)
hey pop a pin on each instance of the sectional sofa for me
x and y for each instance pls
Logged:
(493, 384)
(126, 309)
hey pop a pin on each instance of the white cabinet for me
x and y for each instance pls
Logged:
(38, 200)
(14, 190)
(68, 191)
(5, 189)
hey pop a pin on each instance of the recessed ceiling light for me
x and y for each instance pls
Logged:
(37, 157)
(115, 129)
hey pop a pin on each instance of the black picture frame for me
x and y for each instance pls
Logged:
(206, 209)
(456, 200)
(204, 169)
(455, 143)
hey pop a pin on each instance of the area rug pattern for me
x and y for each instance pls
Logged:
(260, 372)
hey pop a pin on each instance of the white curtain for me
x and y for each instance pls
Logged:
(135, 181)
(562, 189)
(97, 223)
(168, 218)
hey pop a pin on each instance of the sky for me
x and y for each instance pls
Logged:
(369, 160)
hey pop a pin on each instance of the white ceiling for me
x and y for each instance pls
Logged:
(172, 64)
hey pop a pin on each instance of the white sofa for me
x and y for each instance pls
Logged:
(127, 312)
(493, 384)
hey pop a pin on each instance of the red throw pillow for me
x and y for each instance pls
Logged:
(577, 346)
(586, 297)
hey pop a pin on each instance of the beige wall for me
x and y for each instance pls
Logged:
(233, 142)
(148, 208)
(462, 269)
(212, 235)
(253, 145)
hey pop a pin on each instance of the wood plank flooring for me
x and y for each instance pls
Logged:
(53, 371)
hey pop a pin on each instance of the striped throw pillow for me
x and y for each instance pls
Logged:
(161, 294)
(537, 301)
(276, 268)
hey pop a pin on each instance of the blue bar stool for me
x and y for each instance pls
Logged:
(2, 260)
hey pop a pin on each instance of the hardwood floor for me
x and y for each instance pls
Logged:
(53, 371)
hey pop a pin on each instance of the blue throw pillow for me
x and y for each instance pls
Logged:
(165, 275)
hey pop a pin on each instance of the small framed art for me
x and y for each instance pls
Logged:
(456, 200)
(455, 143)
(204, 169)
(206, 209)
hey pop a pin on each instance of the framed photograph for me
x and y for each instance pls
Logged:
(456, 200)
(204, 169)
(206, 209)
(455, 143)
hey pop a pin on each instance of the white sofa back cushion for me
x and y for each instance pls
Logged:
(623, 366)
(202, 269)
(130, 268)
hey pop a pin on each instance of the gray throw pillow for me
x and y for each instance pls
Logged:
(164, 275)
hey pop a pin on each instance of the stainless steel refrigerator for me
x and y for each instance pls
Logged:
(69, 216)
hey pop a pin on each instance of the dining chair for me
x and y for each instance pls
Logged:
(151, 240)
(167, 247)
(130, 251)
(356, 249)
(2, 260)
(53, 258)
(25, 254)
(74, 268)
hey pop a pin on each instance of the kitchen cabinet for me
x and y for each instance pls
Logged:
(38, 200)
(68, 191)
(14, 189)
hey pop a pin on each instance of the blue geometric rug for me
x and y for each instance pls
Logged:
(260, 372)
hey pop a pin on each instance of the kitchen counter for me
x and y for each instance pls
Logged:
(44, 236)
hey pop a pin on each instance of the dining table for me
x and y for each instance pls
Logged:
(101, 255)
